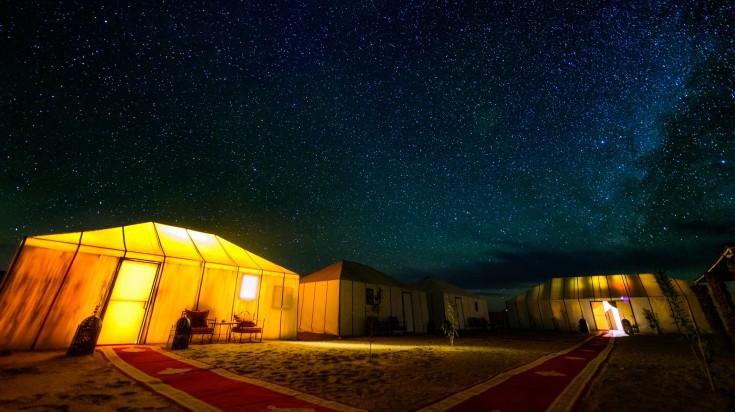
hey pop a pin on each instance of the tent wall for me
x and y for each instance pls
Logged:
(561, 302)
(319, 305)
(177, 290)
(338, 307)
(333, 308)
(46, 294)
(351, 320)
(306, 306)
(420, 311)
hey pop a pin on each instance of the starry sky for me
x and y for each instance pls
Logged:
(494, 144)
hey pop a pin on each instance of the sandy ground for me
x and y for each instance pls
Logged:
(644, 372)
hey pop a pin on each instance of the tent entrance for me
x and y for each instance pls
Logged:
(123, 319)
(607, 315)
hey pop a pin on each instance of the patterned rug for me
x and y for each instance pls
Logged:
(198, 387)
(551, 383)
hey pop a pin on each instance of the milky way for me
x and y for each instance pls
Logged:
(494, 144)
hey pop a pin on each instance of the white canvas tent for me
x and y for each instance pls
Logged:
(140, 277)
(440, 293)
(335, 300)
(603, 301)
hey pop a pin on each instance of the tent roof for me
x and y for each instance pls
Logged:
(156, 239)
(721, 267)
(356, 272)
(599, 287)
(435, 285)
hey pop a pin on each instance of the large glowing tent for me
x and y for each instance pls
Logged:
(603, 301)
(440, 293)
(140, 278)
(336, 300)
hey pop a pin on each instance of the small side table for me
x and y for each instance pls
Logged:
(218, 329)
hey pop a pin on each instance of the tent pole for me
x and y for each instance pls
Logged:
(280, 318)
(201, 282)
(313, 299)
(151, 304)
(626, 285)
(326, 297)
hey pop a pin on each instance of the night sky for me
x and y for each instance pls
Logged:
(493, 144)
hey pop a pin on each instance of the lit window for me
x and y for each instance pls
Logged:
(249, 287)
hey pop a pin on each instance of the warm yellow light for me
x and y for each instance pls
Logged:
(122, 323)
(134, 283)
(615, 313)
(249, 287)
(126, 309)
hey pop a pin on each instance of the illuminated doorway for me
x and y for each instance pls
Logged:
(126, 309)
(607, 316)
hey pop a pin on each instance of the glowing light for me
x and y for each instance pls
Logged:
(202, 238)
(615, 314)
(127, 305)
(134, 281)
(176, 232)
(249, 287)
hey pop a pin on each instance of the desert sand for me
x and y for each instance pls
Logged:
(398, 373)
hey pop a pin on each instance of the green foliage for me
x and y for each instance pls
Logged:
(652, 319)
(677, 310)
(451, 324)
(377, 302)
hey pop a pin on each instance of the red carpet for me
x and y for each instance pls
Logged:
(551, 383)
(196, 387)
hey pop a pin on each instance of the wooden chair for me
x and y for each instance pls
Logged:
(247, 324)
(200, 324)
